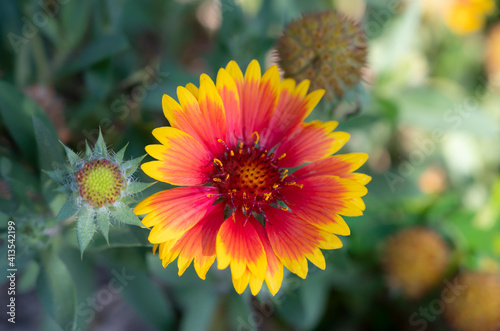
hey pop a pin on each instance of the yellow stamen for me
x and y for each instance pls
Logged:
(222, 142)
(275, 186)
(282, 156)
(284, 208)
(285, 174)
(227, 177)
(257, 137)
(218, 162)
(217, 180)
(294, 184)
(231, 152)
(267, 195)
(240, 147)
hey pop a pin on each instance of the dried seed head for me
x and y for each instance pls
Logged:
(327, 48)
(415, 261)
(477, 307)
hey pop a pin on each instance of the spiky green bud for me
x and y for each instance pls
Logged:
(99, 187)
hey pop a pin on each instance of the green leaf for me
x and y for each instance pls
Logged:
(124, 214)
(67, 210)
(305, 305)
(153, 308)
(238, 310)
(120, 236)
(136, 187)
(56, 175)
(85, 227)
(99, 79)
(103, 220)
(29, 277)
(82, 273)
(74, 22)
(56, 290)
(49, 152)
(22, 183)
(49, 156)
(4, 220)
(200, 304)
(73, 158)
(100, 49)
(17, 111)
(314, 295)
(131, 166)
(120, 154)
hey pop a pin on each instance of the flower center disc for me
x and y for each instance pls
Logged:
(100, 182)
(248, 177)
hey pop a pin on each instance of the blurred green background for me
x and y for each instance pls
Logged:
(429, 120)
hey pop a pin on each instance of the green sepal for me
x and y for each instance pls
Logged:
(88, 150)
(131, 166)
(100, 146)
(124, 214)
(136, 187)
(67, 210)
(73, 158)
(121, 153)
(102, 218)
(64, 189)
(128, 200)
(69, 168)
(56, 175)
(85, 227)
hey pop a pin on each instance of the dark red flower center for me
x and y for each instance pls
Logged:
(248, 176)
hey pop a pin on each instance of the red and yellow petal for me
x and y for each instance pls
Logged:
(198, 243)
(259, 96)
(182, 159)
(167, 255)
(235, 72)
(203, 118)
(292, 108)
(336, 165)
(312, 142)
(241, 283)
(248, 278)
(212, 110)
(294, 241)
(321, 200)
(228, 91)
(193, 89)
(173, 212)
(249, 94)
(239, 245)
(274, 273)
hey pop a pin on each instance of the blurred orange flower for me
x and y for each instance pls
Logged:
(468, 16)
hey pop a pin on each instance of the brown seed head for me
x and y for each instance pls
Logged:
(478, 306)
(415, 261)
(327, 48)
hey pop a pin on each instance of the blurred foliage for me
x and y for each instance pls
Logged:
(428, 117)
